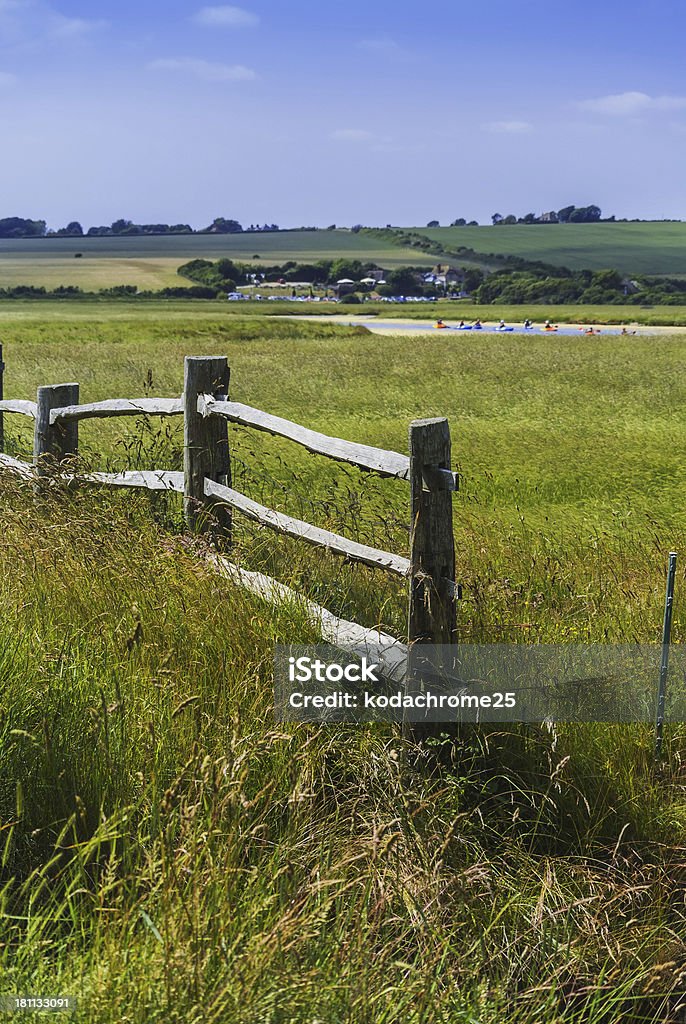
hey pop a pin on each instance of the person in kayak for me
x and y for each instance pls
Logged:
(477, 325)
(439, 324)
(527, 324)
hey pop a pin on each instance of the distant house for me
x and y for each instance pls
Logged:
(548, 218)
(630, 287)
(377, 274)
(446, 275)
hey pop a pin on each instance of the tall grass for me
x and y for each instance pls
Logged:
(167, 853)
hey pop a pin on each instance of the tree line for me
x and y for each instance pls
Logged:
(567, 215)
(23, 227)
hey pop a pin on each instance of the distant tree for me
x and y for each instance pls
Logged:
(433, 224)
(608, 279)
(227, 269)
(473, 277)
(497, 218)
(510, 219)
(73, 228)
(459, 223)
(222, 226)
(119, 227)
(331, 227)
(585, 215)
(473, 224)
(20, 227)
(565, 213)
(345, 268)
(151, 229)
(403, 281)
(529, 218)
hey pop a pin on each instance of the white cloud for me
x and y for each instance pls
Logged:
(351, 135)
(382, 44)
(225, 17)
(7, 79)
(626, 104)
(27, 23)
(205, 69)
(508, 127)
(76, 26)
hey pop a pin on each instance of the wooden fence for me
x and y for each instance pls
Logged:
(209, 498)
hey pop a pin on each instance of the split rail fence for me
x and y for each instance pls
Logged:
(209, 499)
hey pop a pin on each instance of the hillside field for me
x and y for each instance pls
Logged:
(150, 261)
(169, 854)
(648, 248)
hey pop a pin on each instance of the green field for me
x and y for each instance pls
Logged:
(649, 248)
(151, 261)
(202, 311)
(170, 854)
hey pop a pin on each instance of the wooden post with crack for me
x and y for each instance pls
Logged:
(205, 446)
(432, 599)
(54, 443)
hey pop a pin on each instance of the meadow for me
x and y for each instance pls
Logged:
(649, 248)
(151, 261)
(168, 853)
(105, 310)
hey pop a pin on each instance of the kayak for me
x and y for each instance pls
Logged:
(464, 327)
(504, 329)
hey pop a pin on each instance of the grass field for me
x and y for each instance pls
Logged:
(168, 854)
(650, 248)
(203, 311)
(151, 262)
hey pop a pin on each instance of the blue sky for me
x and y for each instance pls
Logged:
(307, 112)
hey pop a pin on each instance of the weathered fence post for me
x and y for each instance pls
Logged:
(53, 443)
(431, 617)
(205, 444)
(2, 395)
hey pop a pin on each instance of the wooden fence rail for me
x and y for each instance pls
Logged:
(209, 498)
